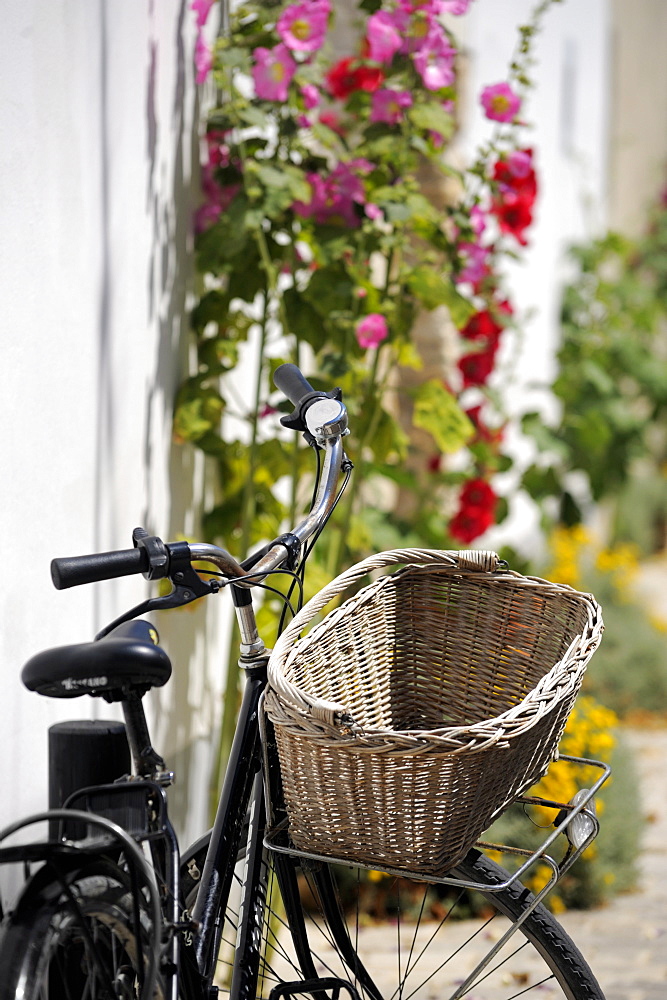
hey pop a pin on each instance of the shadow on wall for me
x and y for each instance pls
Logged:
(187, 710)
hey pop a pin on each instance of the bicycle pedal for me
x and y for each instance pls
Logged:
(314, 986)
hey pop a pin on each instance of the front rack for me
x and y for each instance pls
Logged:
(277, 839)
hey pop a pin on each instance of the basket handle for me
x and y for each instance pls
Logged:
(478, 560)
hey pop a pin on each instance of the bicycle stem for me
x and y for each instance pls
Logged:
(275, 557)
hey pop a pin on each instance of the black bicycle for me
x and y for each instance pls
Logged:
(111, 909)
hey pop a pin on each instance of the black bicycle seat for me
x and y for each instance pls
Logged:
(128, 660)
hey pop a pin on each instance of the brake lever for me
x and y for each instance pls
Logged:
(187, 585)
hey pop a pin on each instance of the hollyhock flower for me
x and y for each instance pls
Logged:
(477, 220)
(202, 9)
(349, 75)
(203, 59)
(457, 7)
(388, 105)
(516, 174)
(482, 326)
(475, 262)
(371, 330)
(272, 72)
(520, 163)
(514, 214)
(500, 103)
(476, 513)
(477, 368)
(311, 96)
(434, 61)
(334, 199)
(383, 36)
(302, 26)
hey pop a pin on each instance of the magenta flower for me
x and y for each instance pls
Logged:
(500, 103)
(311, 96)
(302, 26)
(455, 6)
(388, 105)
(474, 259)
(371, 330)
(520, 163)
(202, 9)
(434, 61)
(383, 36)
(203, 58)
(272, 72)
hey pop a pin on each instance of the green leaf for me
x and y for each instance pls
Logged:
(432, 117)
(433, 290)
(303, 319)
(438, 412)
(198, 410)
(329, 290)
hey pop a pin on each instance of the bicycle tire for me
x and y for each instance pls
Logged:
(87, 938)
(540, 960)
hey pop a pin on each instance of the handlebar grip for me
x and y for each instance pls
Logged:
(72, 571)
(292, 383)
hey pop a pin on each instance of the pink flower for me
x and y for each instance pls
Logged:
(474, 259)
(311, 96)
(383, 36)
(302, 26)
(520, 163)
(500, 103)
(434, 61)
(371, 330)
(477, 220)
(388, 105)
(373, 212)
(272, 72)
(202, 9)
(455, 6)
(203, 59)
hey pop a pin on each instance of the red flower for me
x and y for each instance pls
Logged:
(516, 191)
(482, 326)
(514, 214)
(476, 368)
(477, 504)
(349, 75)
(516, 174)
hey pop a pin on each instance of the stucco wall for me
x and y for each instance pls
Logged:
(98, 124)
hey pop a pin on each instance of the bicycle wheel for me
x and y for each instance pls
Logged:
(84, 934)
(427, 947)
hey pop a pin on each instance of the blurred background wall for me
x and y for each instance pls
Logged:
(98, 126)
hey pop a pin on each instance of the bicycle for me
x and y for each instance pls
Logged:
(117, 912)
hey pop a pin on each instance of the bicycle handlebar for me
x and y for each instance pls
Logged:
(72, 571)
(323, 418)
(292, 383)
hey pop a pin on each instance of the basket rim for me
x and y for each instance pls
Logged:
(297, 707)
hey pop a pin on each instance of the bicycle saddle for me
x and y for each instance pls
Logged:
(128, 660)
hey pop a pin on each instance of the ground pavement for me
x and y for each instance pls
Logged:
(626, 942)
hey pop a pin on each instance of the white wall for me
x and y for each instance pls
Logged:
(98, 124)
(569, 112)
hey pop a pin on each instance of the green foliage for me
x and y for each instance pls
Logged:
(612, 384)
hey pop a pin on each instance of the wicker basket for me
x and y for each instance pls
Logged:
(410, 716)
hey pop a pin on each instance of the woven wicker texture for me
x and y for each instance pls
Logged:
(411, 715)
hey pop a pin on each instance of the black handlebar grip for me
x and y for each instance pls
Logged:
(72, 571)
(292, 383)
